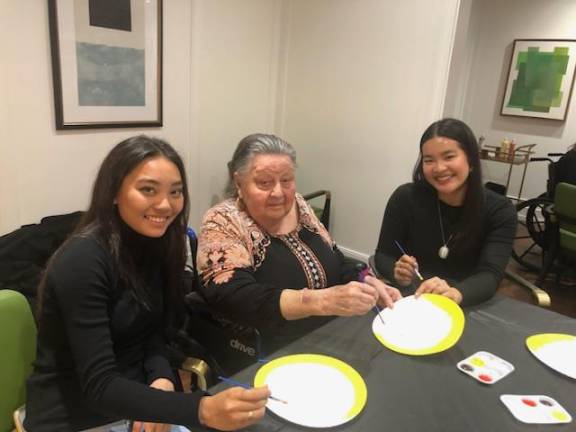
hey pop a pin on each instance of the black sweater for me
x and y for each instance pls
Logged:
(98, 349)
(411, 218)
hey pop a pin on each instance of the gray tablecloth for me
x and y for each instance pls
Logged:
(429, 393)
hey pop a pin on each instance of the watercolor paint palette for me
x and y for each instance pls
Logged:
(536, 409)
(485, 367)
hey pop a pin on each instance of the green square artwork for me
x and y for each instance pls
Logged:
(540, 74)
(540, 79)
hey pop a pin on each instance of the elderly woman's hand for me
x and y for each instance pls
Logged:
(354, 298)
(387, 295)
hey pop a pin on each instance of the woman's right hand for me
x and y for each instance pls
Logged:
(234, 408)
(354, 298)
(405, 270)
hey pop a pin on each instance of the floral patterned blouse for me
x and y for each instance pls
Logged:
(244, 269)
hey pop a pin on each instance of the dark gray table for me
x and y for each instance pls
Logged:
(407, 393)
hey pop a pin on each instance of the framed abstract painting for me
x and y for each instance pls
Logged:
(106, 63)
(540, 78)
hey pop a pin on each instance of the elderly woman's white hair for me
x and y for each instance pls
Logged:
(247, 149)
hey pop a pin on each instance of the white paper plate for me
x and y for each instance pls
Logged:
(427, 325)
(555, 350)
(320, 391)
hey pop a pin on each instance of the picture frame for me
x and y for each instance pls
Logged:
(540, 78)
(106, 63)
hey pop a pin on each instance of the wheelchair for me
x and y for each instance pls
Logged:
(208, 346)
(534, 218)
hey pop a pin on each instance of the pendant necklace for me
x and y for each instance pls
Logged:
(444, 250)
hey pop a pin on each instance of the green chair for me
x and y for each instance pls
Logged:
(563, 241)
(17, 352)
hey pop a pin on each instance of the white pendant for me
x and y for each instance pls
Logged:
(443, 252)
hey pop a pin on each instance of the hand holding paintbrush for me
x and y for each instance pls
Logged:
(406, 268)
(387, 295)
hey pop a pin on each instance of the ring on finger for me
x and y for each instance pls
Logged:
(250, 414)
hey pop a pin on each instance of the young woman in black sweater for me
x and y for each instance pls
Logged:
(455, 233)
(106, 297)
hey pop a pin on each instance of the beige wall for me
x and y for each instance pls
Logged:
(219, 84)
(235, 57)
(364, 79)
(351, 84)
(495, 24)
(48, 171)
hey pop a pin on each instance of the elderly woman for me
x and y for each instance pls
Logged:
(266, 260)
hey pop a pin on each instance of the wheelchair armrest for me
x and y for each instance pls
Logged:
(200, 369)
(187, 354)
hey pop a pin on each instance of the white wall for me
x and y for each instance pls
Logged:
(235, 69)
(499, 23)
(45, 171)
(219, 85)
(352, 84)
(462, 58)
(363, 81)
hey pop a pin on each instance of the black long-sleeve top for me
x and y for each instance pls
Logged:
(412, 219)
(98, 349)
(246, 269)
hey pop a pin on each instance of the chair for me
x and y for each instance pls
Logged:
(323, 212)
(18, 342)
(184, 352)
(563, 231)
(205, 346)
(226, 348)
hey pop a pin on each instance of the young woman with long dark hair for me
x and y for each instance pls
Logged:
(456, 234)
(106, 297)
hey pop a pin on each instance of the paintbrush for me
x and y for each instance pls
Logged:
(246, 386)
(404, 253)
(367, 271)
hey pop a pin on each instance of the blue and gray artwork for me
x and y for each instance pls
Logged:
(110, 76)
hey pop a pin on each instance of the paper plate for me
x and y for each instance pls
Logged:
(320, 391)
(429, 324)
(555, 350)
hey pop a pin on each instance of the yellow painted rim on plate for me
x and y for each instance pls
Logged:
(537, 341)
(358, 384)
(454, 312)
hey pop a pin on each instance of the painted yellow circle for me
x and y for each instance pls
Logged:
(358, 384)
(456, 315)
(555, 350)
(535, 342)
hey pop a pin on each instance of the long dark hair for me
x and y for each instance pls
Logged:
(102, 220)
(470, 223)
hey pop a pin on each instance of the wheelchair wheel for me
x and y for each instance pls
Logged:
(530, 239)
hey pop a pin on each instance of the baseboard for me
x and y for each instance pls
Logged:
(354, 254)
